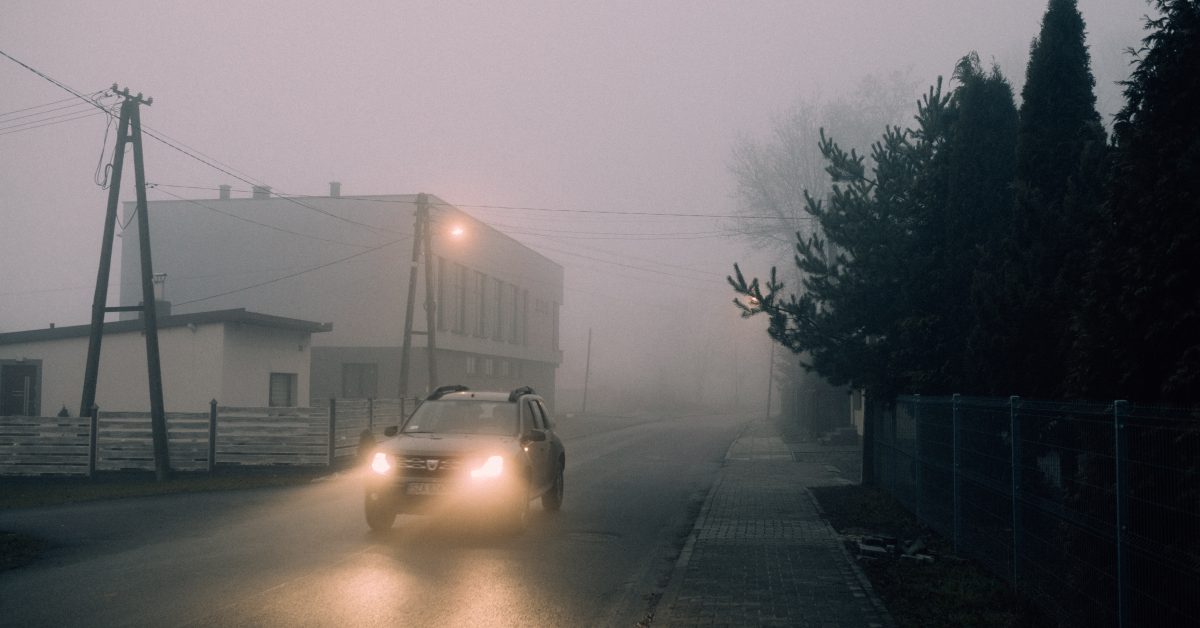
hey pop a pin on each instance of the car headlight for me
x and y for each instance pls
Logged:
(380, 463)
(493, 467)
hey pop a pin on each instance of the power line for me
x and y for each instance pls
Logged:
(72, 105)
(14, 129)
(60, 85)
(296, 274)
(192, 153)
(42, 106)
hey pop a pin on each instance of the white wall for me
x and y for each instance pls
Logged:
(205, 253)
(252, 353)
(229, 362)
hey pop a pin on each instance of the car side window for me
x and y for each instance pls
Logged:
(545, 415)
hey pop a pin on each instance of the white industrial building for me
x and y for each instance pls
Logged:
(345, 260)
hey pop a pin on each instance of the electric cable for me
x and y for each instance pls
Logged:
(292, 275)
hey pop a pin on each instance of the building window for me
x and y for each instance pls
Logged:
(514, 321)
(554, 322)
(460, 299)
(442, 308)
(524, 327)
(497, 295)
(501, 368)
(360, 381)
(283, 390)
(489, 367)
(482, 327)
(472, 365)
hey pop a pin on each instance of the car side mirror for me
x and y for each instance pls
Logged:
(391, 430)
(535, 436)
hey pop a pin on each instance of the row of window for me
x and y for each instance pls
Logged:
(471, 303)
(493, 367)
(361, 381)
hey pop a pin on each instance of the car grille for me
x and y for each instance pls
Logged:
(431, 466)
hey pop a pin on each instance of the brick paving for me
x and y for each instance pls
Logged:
(760, 554)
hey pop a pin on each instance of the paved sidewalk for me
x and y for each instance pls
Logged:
(760, 553)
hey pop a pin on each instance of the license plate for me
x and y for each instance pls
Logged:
(428, 488)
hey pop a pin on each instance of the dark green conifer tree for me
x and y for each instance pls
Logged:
(978, 165)
(1139, 327)
(1025, 297)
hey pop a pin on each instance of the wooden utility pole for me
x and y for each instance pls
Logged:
(129, 130)
(406, 348)
(431, 304)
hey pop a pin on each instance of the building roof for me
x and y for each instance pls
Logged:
(239, 316)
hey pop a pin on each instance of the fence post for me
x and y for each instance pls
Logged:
(893, 448)
(212, 435)
(1014, 419)
(332, 428)
(92, 438)
(1121, 456)
(956, 446)
(371, 414)
(868, 440)
(918, 474)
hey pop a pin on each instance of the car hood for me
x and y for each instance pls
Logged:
(449, 444)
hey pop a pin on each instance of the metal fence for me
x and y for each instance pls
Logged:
(1090, 510)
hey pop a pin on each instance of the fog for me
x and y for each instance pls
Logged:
(599, 134)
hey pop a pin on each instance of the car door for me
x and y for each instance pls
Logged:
(556, 446)
(538, 450)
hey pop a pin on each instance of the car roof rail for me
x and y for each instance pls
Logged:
(518, 392)
(442, 391)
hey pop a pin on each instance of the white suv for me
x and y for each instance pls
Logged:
(488, 452)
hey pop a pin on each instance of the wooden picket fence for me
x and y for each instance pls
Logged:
(326, 434)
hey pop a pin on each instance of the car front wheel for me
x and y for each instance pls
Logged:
(518, 514)
(380, 516)
(552, 499)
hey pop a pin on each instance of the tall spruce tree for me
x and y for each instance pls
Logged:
(978, 163)
(1139, 328)
(1025, 300)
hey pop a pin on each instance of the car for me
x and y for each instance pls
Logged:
(467, 451)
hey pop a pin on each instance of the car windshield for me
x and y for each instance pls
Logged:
(464, 417)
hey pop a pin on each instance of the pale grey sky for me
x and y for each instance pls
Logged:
(609, 106)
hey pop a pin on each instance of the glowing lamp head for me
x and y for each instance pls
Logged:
(457, 232)
(380, 463)
(493, 467)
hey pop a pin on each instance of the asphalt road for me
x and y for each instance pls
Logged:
(303, 556)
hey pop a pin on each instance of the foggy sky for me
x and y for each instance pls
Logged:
(607, 106)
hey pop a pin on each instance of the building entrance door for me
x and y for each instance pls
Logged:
(19, 390)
